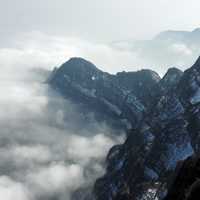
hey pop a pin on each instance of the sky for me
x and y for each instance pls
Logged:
(51, 32)
(47, 33)
(105, 20)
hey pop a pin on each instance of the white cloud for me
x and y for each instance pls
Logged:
(10, 189)
(40, 50)
(181, 49)
(56, 178)
(37, 153)
(41, 133)
(36, 49)
(83, 148)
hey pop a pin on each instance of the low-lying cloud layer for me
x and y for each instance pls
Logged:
(48, 147)
(38, 49)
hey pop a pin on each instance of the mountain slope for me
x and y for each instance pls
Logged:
(164, 117)
(172, 135)
(123, 98)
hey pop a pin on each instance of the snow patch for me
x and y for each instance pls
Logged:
(93, 78)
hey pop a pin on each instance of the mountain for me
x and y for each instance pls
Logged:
(121, 99)
(163, 114)
(167, 49)
(180, 36)
(168, 134)
(170, 79)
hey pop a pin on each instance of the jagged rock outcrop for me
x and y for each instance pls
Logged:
(170, 79)
(168, 134)
(123, 97)
(164, 115)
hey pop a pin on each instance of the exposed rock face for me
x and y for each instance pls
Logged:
(164, 115)
(171, 79)
(123, 98)
(171, 131)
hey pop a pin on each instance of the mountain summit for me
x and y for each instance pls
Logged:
(124, 97)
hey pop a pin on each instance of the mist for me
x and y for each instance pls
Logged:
(48, 146)
(38, 50)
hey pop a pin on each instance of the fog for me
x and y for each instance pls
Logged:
(37, 49)
(48, 146)
(103, 20)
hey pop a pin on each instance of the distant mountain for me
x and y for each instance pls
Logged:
(180, 36)
(163, 117)
(167, 49)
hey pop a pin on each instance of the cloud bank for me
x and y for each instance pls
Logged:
(48, 146)
(48, 51)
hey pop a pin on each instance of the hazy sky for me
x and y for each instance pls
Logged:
(45, 33)
(101, 20)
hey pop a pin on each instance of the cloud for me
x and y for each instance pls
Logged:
(48, 147)
(36, 49)
(93, 148)
(181, 49)
(10, 189)
(55, 180)
(38, 153)
(49, 51)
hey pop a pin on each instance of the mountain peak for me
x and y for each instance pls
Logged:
(173, 71)
(171, 78)
(78, 68)
(79, 62)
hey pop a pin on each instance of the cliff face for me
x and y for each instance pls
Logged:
(122, 99)
(163, 115)
(168, 134)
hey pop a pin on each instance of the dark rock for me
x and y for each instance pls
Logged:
(185, 184)
(164, 115)
(168, 134)
(124, 97)
(171, 79)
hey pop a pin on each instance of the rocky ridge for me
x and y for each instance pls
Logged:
(163, 115)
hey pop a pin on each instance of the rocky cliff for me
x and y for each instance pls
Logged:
(161, 116)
